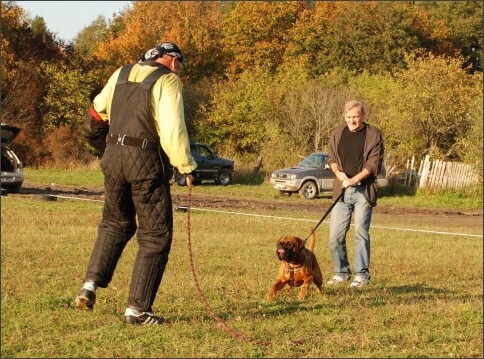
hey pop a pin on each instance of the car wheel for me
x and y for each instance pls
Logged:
(308, 190)
(180, 179)
(285, 193)
(224, 177)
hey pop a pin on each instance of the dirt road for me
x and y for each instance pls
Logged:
(471, 220)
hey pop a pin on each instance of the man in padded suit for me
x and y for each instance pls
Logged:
(144, 107)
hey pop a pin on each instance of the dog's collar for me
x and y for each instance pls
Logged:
(295, 267)
(292, 268)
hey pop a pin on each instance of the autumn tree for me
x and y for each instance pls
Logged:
(193, 25)
(24, 43)
(39, 92)
(258, 33)
(307, 38)
(454, 25)
(18, 105)
(261, 74)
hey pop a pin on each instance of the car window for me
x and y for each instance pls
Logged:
(204, 151)
(314, 160)
(193, 151)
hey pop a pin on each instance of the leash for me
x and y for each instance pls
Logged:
(224, 325)
(327, 212)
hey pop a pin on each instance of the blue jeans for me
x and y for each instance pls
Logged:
(354, 202)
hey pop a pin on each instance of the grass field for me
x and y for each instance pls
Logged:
(425, 298)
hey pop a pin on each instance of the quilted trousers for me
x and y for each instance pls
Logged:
(137, 200)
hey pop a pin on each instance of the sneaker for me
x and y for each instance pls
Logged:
(339, 278)
(144, 318)
(86, 299)
(359, 281)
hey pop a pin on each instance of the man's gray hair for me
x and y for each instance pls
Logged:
(352, 104)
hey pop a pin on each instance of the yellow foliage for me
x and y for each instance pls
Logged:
(191, 25)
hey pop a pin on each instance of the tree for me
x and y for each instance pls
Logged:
(88, 38)
(424, 109)
(310, 110)
(261, 74)
(25, 43)
(145, 26)
(44, 41)
(257, 33)
(65, 97)
(236, 118)
(20, 83)
(371, 35)
(469, 147)
(458, 23)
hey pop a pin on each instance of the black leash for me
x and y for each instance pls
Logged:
(327, 212)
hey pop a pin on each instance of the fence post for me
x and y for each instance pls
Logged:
(425, 172)
(406, 174)
(412, 171)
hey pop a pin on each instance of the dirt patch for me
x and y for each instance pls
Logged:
(415, 216)
(233, 204)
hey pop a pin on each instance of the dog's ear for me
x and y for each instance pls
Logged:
(301, 243)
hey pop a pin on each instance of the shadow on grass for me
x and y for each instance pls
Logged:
(372, 297)
(54, 191)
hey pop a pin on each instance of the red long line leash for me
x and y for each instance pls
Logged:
(217, 319)
(224, 325)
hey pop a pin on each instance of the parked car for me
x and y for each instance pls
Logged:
(311, 177)
(12, 169)
(210, 166)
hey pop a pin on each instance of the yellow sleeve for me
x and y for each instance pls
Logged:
(102, 102)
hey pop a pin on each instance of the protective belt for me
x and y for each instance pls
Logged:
(124, 140)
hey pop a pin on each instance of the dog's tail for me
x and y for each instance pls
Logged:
(312, 238)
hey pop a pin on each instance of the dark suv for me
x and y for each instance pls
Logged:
(210, 167)
(311, 177)
(12, 171)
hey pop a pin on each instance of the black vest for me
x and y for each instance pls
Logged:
(131, 112)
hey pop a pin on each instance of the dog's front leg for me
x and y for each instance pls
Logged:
(278, 285)
(304, 288)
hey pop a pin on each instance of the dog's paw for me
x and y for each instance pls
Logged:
(302, 293)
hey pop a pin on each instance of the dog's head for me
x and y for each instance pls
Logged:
(288, 248)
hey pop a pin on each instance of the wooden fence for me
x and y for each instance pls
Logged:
(439, 174)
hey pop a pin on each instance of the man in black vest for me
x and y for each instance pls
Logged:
(143, 105)
(355, 157)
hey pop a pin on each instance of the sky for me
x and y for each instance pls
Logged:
(67, 18)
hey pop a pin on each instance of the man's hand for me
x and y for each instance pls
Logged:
(343, 179)
(350, 182)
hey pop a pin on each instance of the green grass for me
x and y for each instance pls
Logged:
(425, 298)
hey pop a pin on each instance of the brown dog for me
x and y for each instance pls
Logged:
(299, 266)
